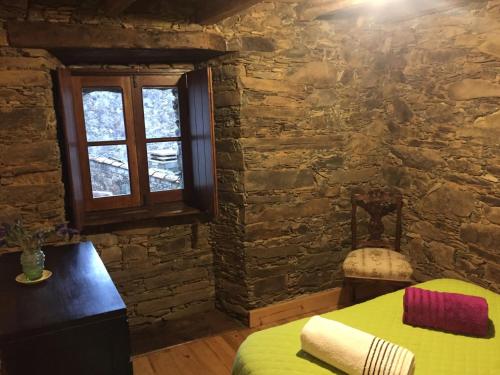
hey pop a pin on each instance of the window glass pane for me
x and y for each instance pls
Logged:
(109, 171)
(165, 166)
(103, 113)
(161, 112)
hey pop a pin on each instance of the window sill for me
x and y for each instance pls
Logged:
(174, 213)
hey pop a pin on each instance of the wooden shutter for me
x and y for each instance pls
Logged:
(123, 83)
(71, 150)
(202, 139)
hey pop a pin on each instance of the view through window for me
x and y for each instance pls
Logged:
(106, 137)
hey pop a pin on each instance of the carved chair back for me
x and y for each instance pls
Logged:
(377, 203)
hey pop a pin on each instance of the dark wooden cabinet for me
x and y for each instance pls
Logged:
(73, 323)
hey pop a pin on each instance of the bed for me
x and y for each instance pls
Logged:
(276, 351)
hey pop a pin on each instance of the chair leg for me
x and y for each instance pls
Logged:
(347, 297)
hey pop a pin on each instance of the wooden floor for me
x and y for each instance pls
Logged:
(213, 355)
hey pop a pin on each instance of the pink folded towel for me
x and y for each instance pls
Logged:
(450, 312)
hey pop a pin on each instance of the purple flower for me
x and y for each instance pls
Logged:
(62, 230)
(4, 229)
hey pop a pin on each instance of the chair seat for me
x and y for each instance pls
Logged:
(377, 263)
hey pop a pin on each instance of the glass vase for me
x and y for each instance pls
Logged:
(32, 261)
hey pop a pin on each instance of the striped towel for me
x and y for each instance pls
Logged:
(449, 312)
(353, 351)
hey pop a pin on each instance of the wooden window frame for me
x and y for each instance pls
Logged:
(199, 195)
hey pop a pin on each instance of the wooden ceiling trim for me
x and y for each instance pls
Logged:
(56, 35)
(115, 7)
(216, 10)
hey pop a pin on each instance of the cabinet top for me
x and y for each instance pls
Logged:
(80, 291)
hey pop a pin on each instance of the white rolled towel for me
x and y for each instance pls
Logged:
(353, 351)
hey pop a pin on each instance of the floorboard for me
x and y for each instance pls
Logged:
(211, 355)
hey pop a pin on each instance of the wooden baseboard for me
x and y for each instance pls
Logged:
(298, 307)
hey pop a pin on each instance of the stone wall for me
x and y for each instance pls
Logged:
(330, 106)
(161, 272)
(228, 229)
(306, 111)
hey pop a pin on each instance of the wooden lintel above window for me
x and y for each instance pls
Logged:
(109, 44)
(126, 56)
(216, 10)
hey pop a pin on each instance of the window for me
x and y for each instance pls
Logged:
(138, 146)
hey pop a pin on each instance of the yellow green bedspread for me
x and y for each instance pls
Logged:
(276, 351)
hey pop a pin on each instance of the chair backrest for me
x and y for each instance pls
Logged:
(377, 203)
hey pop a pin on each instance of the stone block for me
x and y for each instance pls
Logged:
(267, 85)
(26, 78)
(416, 250)
(444, 255)
(170, 277)
(18, 195)
(265, 271)
(134, 252)
(16, 119)
(315, 279)
(278, 180)
(9, 214)
(418, 157)
(28, 63)
(198, 285)
(491, 46)
(492, 274)
(401, 110)
(272, 252)
(112, 254)
(485, 129)
(189, 310)
(160, 306)
(257, 43)
(490, 254)
(323, 260)
(448, 199)
(227, 98)
(281, 101)
(353, 175)
(285, 212)
(230, 160)
(103, 240)
(493, 214)
(277, 113)
(270, 285)
(30, 157)
(486, 236)
(319, 74)
(473, 89)
(428, 231)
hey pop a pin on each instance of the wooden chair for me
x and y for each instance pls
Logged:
(376, 265)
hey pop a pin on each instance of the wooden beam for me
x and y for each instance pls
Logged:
(303, 306)
(216, 10)
(382, 10)
(115, 7)
(99, 43)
